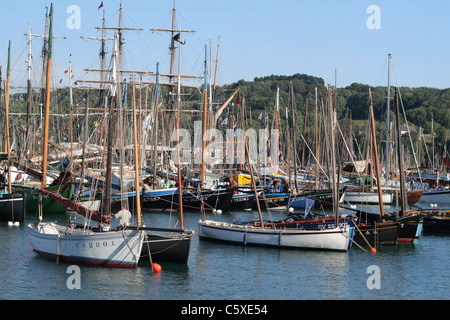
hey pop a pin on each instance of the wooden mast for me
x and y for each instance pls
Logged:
(136, 161)
(155, 126)
(71, 108)
(114, 86)
(332, 117)
(217, 62)
(388, 138)
(85, 139)
(172, 47)
(102, 53)
(29, 91)
(7, 147)
(304, 134)
(277, 131)
(293, 137)
(47, 98)
(404, 202)
(8, 71)
(205, 114)
(288, 144)
(44, 57)
(420, 146)
(317, 142)
(180, 187)
(375, 152)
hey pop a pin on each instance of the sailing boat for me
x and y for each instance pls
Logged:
(373, 228)
(172, 248)
(160, 244)
(410, 221)
(12, 204)
(167, 247)
(336, 238)
(99, 246)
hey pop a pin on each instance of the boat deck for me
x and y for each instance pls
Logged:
(52, 228)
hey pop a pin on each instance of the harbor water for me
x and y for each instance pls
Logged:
(218, 271)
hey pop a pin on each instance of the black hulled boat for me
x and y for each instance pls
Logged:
(13, 207)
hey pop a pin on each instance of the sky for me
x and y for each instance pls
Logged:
(343, 41)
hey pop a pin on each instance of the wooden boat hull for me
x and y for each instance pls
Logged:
(410, 228)
(323, 198)
(110, 248)
(436, 223)
(273, 201)
(440, 197)
(13, 207)
(163, 248)
(49, 206)
(377, 233)
(167, 200)
(329, 239)
(367, 197)
(310, 224)
(241, 201)
(412, 196)
(326, 223)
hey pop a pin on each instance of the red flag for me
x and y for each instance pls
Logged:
(101, 5)
(66, 71)
(238, 100)
(446, 162)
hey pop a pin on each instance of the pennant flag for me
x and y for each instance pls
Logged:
(308, 206)
(66, 71)
(100, 6)
(224, 121)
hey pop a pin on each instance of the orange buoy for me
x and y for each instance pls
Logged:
(156, 267)
(373, 250)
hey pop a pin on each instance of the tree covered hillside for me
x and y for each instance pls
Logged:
(422, 105)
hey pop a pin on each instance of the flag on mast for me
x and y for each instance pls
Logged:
(308, 206)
